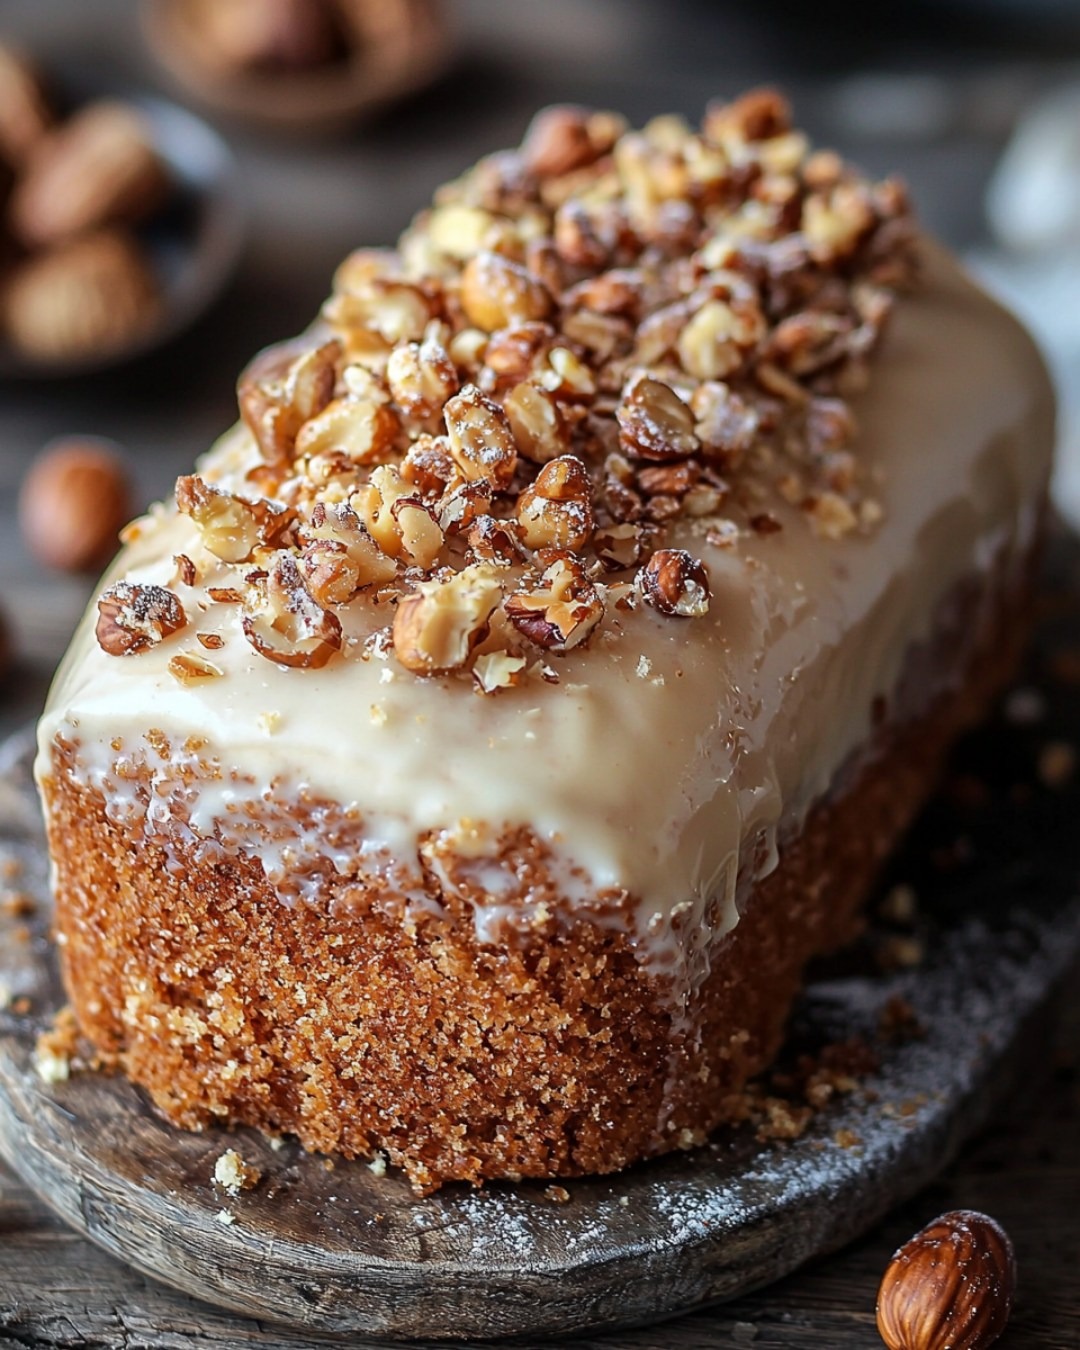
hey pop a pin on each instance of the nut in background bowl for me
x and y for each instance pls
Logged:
(74, 500)
(190, 249)
(392, 48)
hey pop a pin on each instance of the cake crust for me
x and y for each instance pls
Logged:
(362, 1025)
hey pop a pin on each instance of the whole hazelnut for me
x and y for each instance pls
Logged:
(25, 116)
(266, 35)
(74, 500)
(82, 300)
(98, 168)
(675, 582)
(558, 141)
(950, 1287)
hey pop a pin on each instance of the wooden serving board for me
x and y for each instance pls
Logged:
(995, 864)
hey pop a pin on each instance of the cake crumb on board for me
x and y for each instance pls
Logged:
(51, 1067)
(233, 1174)
(57, 1049)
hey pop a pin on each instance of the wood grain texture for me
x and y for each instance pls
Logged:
(342, 1250)
(57, 1290)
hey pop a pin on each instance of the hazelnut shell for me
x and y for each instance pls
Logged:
(74, 500)
(950, 1287)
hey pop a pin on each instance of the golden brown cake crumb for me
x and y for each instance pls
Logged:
(233, 1174)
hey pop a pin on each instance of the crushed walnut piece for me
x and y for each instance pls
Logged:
(132, 618)
(588, 352)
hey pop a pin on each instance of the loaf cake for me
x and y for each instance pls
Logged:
(467, 761)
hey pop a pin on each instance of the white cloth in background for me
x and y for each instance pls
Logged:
(1033, 209)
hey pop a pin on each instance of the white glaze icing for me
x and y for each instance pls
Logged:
(662, 775)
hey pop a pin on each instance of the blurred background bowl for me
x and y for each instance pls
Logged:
(391, 49)
(192, 244)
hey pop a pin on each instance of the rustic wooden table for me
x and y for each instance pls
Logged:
(309, 203)
(56, 1289)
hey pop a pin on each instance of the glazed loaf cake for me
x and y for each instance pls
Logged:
(467, 762)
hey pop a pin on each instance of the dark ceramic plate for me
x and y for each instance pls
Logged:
(193, 243)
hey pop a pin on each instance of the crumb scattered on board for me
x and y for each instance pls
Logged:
(51, 1068)
(899, 905)
(16, 904)
(57, 1049)
(233, 1174)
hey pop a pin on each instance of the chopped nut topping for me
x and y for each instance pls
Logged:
(377, 314)
(566, 376)
(437, 627)
(132, 618)
(654, 423)
(373, 502)
(834, 222)
(497, 670)
(495, 541)
(228, 525)
(496, 292)
(558, 141)
(576, 239)
(421, 377)
(672, 480)
(556, 511)
(514, 353)
(559, 610)
(429, 467)
(284, 388)
(481, 441)
(363, 430)
(708, 346)
(675, 582)
(459, 231)
(619, 546)
(191, 668)
(331, 573)
(185, 570)
(421, 537)
(539, 426)
(757, 115)
(285, 623)
(588, 351)
(464, 505)
(338, 523)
